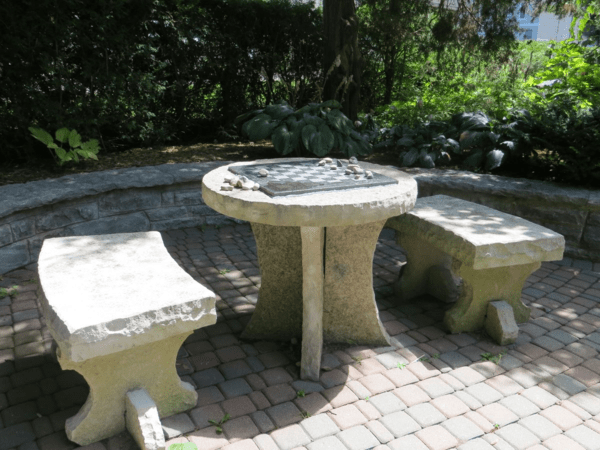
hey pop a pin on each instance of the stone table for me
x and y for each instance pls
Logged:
(316, 258)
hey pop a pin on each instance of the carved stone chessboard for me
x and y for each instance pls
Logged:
(305, 177)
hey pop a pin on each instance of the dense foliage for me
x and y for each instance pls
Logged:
(141, 72)
(315, 129)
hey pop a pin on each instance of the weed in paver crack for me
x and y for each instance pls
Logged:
(224, 271)
(358, 359)
(491, 357)
(400, 366)
(301, 393)
(305, 414)
(11, 291)
(218, 424)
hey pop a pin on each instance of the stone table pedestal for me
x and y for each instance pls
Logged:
(316, 258)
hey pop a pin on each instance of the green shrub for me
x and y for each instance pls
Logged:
(316, 129)
(64, 136)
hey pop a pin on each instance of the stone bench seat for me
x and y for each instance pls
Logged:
(119, 308)
(468, 253)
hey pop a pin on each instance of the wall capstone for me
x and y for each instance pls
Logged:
(169, 196)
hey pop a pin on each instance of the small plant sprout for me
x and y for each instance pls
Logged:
(10, 291)
(493, 358)
(496, 426)
(218, 424)
(73, 149)
(224, 271)
(305, 414)
(400, 365)
(435, 356)
(301, 393)
(424, 358)
(358, 359)
(367, 398)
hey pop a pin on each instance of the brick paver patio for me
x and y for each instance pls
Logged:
(430, 390)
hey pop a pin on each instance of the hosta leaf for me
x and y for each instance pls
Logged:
(338, 121)
(388, 143)
(470, 139)
(74, 139)
(405, 142)
(62, 135)
(62, 154)
(475, 122)
(247, 116)
(41, 135)
(475, 160)
(333, 104)
(425, 159)
(511, 146)
(283, 140)
(312, 120)
(260, 127)
(350, 147)
(279, 112)
(308, 132)
(453, 145)
(443, 158)
(410, 158)
(494, 159)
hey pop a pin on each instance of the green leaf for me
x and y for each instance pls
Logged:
(91, 146)
(312, 120)
(260, 127)
(242, 118)
(470, 139)
(283, 140)
(410, 158)
(279, 112)
(62, 135)
(339, 122)
(308, 132)
(41, 135)
(425, 159)
(62, 154)
(326, 140)
(494, 159)
(455, 146)
(475, 160)
(333, 104)
(74, 139)
(405, 142)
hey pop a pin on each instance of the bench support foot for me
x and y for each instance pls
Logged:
(480, 287)
(142, 420)
(111, 377)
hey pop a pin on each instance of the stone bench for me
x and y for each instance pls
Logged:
(119, 308)
(468, 253)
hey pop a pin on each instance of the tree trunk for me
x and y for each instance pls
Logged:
(340, 32)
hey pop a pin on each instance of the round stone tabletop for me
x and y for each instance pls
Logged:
(323, 209)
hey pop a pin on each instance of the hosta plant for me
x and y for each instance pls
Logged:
(76, 148)
(471, 140)
(316, 129)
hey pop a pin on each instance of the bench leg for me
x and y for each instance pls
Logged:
(313, 240)
(483, 286)
(420, 257)
(110, 377)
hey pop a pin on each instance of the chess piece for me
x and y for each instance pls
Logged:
(357, 169)
(322, 162)
(353, 160)
(333, 167)
(256, 187)
(263, 173)
(348, 171)
(369, 174)
(227, 187)
(234, 180)
(339, 163)
(328, 160)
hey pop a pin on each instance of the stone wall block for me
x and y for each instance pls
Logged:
(14, 256)
(167, 198)
(201, 210)
(22, 229)
(5, 235)
(175, 224)
(189, 197)
(65, 216)
(171, 212)
(129, 200)
(591, 237)
(36, 242)
(594, 218)
(127, 223)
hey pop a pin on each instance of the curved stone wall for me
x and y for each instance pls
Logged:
(126, 200)
(170, 197)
